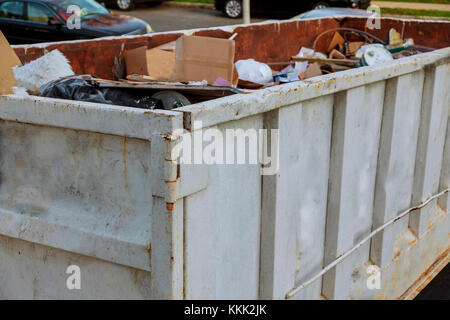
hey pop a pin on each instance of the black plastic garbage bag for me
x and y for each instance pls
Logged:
(79, 89)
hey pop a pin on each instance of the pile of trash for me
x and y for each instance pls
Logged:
(194, 68)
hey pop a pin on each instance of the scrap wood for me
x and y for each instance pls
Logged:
(347, 62)
(202, 90)
(337, 40)
(352, 47)
(334, 54)
(145, 78)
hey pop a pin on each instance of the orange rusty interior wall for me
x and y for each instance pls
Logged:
(267, 42)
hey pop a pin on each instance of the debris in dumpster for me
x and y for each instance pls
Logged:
(334, 54)
(49, 67)
(345, 62)
(254, 71)
(336, 41)
(8, 60)
(245, 84)
(156, 63)
(194, 69)
(352, 47)
(82, 88)
(171, 99)
(374, 54)
(221, 82)
(19, 91)
(204, 58)
(396, 43)
(169, 46)
(313, 70)
(394, 37)
(198, 90)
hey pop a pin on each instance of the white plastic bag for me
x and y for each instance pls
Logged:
(49, 67)
(254, 71)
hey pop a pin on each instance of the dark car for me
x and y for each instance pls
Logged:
(57, 20)
(129, 4)
(284, 8)
(333, 12)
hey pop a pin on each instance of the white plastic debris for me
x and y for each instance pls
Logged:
(198, 83)
(306, 53)
(49, 67)
(254, 71)
(20, 91)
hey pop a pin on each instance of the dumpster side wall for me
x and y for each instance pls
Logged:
(84, 185)
(356, 149)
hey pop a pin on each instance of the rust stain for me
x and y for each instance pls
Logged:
(425, 277)
(169, 206)
(125, 170)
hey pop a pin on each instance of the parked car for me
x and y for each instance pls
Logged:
(284, 8)
(35, 21)
(332, 12)
(127, 5)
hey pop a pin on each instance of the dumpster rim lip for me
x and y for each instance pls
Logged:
(89, 116)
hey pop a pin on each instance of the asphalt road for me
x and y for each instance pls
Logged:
(165, 18)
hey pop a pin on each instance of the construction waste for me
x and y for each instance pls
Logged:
(194, 68)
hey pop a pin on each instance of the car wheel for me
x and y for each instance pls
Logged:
(320, 5)
(125, 5)
(233, 8)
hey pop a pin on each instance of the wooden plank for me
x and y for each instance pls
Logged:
(354, 152)
(395, 170)
(432, 130)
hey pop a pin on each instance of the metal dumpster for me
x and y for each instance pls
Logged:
(357, 208)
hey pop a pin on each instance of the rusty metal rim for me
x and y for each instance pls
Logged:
(426, 277)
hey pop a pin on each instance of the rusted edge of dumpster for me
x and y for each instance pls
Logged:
(425, 278)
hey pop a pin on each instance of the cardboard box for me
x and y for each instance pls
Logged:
(204, 58)
(8, 60)
(156, 63)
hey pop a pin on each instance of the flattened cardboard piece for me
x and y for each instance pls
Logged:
(352, 47)
(313, 70)
(204, 58)
(155, 63)
(8, 59)
(337, 40)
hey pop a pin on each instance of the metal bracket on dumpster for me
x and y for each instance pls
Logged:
(180, 179)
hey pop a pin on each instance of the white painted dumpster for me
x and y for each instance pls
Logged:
(101, 187)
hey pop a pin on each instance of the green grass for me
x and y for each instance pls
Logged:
(416, 13)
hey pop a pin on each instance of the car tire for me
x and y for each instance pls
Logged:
(233, 8)
(320, 5)
(125, 5)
